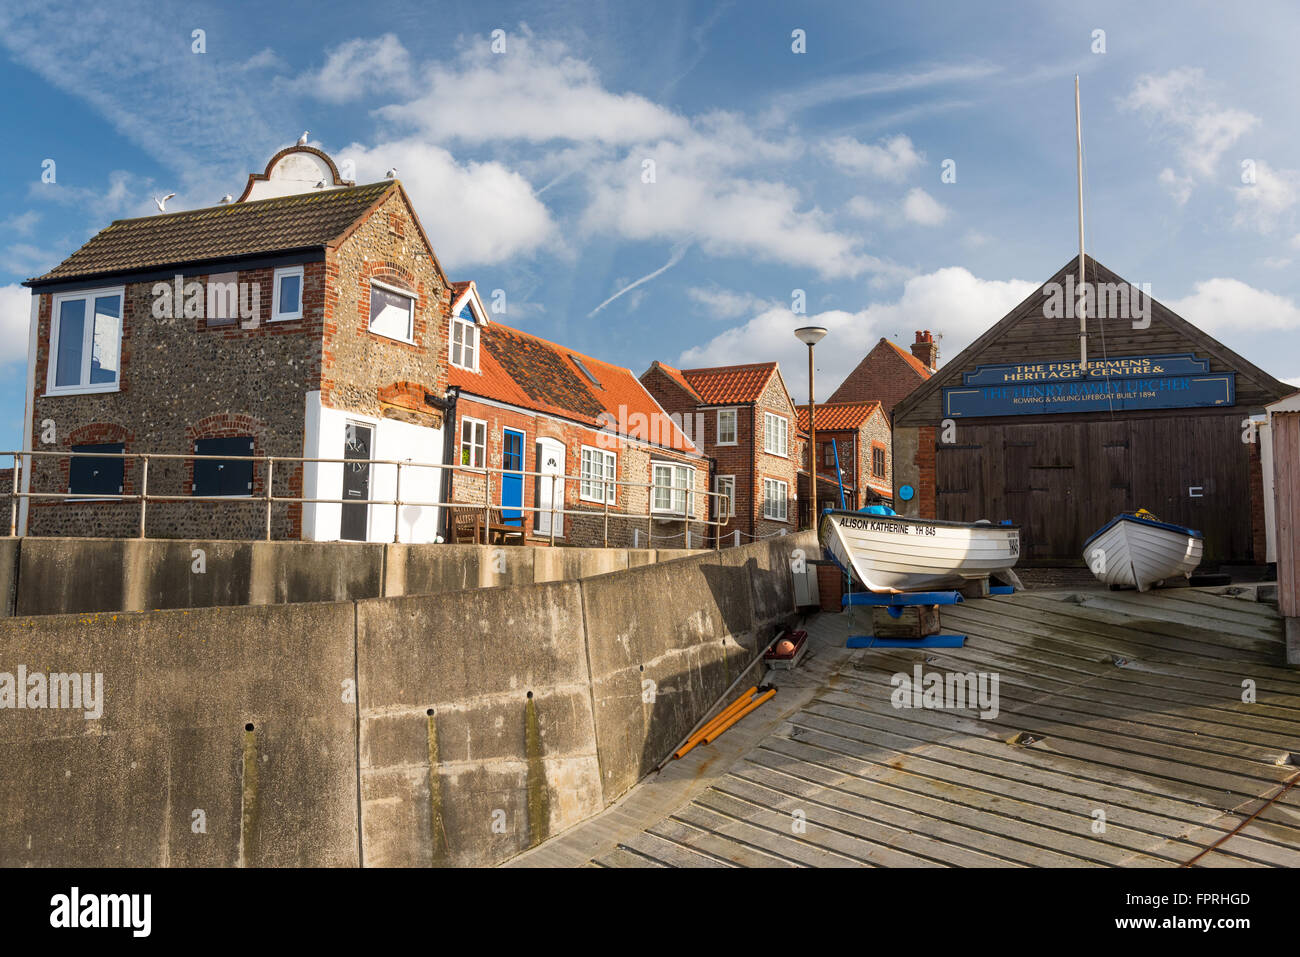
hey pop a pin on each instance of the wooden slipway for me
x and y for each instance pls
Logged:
(1108, 701)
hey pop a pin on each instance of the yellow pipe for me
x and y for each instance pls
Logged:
(712, 735)
(726, 712)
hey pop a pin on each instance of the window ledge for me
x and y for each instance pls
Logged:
(82, 389)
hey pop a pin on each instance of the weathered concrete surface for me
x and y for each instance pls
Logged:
(8, 576)
(457, 763)
(664, 642)
(473, 658)
(179, 688)
(53, 576)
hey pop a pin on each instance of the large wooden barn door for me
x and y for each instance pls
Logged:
(959, 478)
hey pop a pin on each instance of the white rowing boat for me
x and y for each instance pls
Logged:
(891, 553)
(1137, 549)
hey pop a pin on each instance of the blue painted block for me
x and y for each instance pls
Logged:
(931, 641)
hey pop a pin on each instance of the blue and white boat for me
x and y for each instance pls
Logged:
(1137, 549)
(886, 552)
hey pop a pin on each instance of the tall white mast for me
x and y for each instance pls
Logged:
(1083, 301)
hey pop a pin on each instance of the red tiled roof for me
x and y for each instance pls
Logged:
(724, 384)
(910, 359)
(676, 376)
(838, 416)
(523, 370)
(887, 374)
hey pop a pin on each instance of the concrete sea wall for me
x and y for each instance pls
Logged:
(51, 576)
(450, 728)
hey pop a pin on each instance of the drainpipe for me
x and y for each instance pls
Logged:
(448, 408)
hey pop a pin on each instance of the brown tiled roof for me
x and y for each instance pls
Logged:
(723, 384)
(886, 375)
(300, 221)
(838, 416)
(523, 370)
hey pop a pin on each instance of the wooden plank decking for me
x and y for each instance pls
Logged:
(1133, 704)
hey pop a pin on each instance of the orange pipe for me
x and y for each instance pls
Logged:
(712, 735)
(726, 712)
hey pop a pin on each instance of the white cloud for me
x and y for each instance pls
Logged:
(1230, 304)
(893, 159)
(949, 301)
(15, 322)
(1178, 106)
(863, 208)
(922, 208)
(1261, 204)
(534, 92)
(1179, 187)
(702, 192)
(725, 303)
(475, 214)
(21, 223)
(358, 67)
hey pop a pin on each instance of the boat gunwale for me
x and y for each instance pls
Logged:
(1144, 523)
(943, 522)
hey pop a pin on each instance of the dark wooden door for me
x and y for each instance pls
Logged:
(356, 484)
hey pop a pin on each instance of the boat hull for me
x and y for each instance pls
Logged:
(891, 553)
(1138, 553)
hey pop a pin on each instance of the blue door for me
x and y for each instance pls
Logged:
(512, 486)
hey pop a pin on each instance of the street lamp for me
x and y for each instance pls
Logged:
(810, 336)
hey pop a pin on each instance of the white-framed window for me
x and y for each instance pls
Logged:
(726, 426)
(473, 442)
(775, 501)
(673, 489)
(776, 435)
(287, 294)
(464, 343)
(392, 312)
(85, 342)
(726, 485)
(599, 468)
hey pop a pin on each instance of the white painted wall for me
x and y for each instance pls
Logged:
(325, 430)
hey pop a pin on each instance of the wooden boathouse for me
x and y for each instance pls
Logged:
(1008, 429)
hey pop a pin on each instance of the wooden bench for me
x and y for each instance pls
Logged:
(467, 527)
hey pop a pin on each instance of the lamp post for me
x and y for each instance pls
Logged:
(810, 336)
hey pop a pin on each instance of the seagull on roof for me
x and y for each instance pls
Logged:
(227, 198)
(162, 203)
(391, 174)
(302, 140)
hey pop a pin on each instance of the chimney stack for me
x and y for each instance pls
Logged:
(926, 349)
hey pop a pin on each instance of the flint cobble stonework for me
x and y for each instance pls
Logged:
(185, 379)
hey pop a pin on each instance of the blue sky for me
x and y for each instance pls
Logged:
(774, 171)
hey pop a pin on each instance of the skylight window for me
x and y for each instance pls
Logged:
(585, 371)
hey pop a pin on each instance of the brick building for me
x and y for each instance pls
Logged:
(887, 373)
(1014, 428)
(749, 428)
(308, 318)
(859, 433)
(525, 403)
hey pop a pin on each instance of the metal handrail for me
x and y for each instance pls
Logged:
(268, 498)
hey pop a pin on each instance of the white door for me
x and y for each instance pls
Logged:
(550, 461)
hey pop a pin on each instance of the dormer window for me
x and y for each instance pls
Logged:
(464, 343)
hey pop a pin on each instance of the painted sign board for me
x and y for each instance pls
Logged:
(1120, 384)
